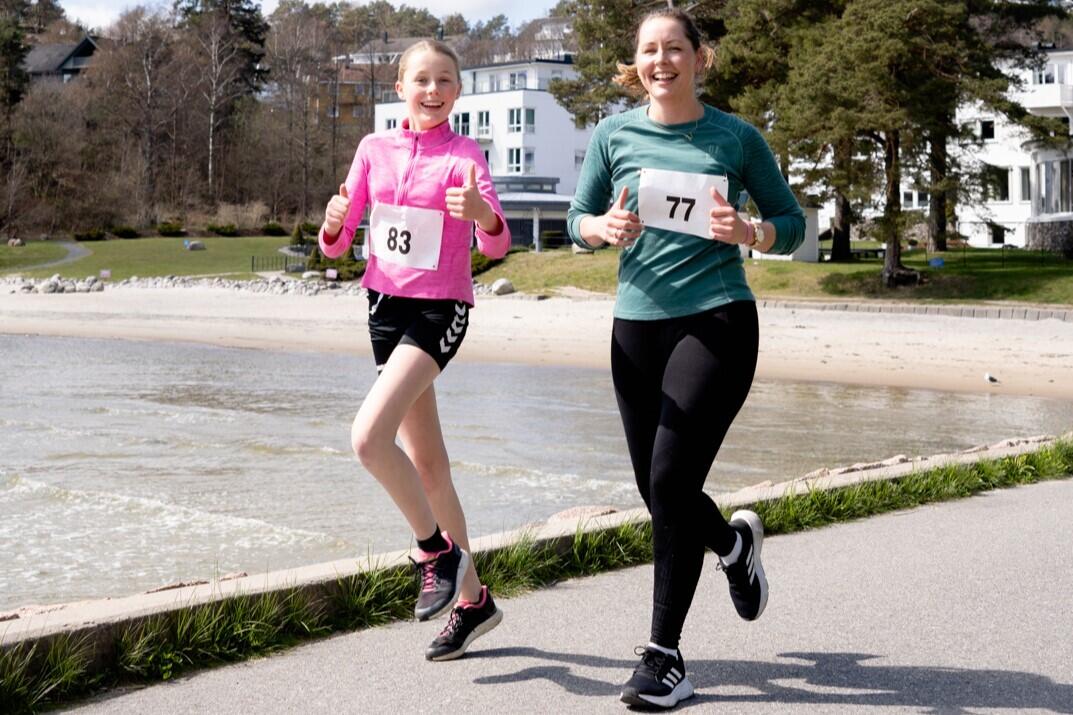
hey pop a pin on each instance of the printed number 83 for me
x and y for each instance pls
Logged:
(398, 240)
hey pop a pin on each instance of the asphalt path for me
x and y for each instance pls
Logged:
(961, 607)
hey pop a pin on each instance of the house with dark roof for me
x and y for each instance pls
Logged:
(59, 62)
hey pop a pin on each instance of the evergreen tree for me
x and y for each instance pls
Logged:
(13, 78)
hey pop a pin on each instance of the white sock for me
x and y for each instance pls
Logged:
(734, 553)
(661, 649)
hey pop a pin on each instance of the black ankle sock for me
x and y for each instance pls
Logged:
(433, 544)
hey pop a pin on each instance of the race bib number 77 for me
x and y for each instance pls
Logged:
(678, 200)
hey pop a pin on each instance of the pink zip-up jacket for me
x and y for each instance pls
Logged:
(407, 168)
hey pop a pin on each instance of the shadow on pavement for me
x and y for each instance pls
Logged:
(811, 678)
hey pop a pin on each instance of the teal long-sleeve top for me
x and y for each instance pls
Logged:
(667, 274)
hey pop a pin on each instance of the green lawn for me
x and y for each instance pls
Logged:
(33, 253)
(148, 257)
(971, 275)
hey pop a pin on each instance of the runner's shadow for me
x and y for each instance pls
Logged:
(814, 679)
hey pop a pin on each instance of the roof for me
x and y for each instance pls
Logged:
(534, 199)
(50, 58)
(43, 59)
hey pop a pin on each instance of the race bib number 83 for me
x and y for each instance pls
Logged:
(406, 235)
(678, 200)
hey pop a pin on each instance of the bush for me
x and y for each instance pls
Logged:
(479, 263)
(227, 229)
(273, 229)
(170, 228)
(310, 229)
(347, 267)
(92, 234)
(298, 237)
(124, 232)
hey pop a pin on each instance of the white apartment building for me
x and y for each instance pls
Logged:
(1027, 186)
(528, 139)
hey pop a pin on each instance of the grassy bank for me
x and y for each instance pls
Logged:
(35, 676)
(149, 257)
(969, 275)
(33, 253)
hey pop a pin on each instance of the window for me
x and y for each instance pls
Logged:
(483, 119)
(391, 123)
(996, 183)
(461, 124)
(529, 161)
(907, 198)
(1063, 186)
(358, 110)
(514, 161)
(517, 80)
(488, 159)
(530, 121)
(1026, 184)
(922, 198)
(1045, 75)
(514, 120)
(579, 158)
(987, 129)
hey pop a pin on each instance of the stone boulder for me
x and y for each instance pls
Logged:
(502, 286)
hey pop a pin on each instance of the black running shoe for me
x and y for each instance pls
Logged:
(441, 580)
(468, 622)
(748, 586)
(658, 681)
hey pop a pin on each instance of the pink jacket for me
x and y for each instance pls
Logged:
(407, 168)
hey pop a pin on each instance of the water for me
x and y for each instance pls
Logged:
(125, 466)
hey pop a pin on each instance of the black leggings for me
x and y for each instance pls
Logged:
(679, 383)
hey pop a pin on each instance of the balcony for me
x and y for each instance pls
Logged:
(484, 134)
(1047, 99)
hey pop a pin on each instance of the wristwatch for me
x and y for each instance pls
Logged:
(757, 234)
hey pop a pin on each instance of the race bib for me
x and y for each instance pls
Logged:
(677, 200)
(406, 235)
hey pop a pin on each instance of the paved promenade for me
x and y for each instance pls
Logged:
(951, 608)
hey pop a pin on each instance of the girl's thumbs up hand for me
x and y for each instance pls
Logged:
(336, 211)
(465, 202)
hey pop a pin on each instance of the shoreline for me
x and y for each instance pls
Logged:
(799, 341)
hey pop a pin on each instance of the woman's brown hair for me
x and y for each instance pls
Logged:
(627, 73)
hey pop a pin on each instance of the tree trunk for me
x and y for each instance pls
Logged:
(843, 221)
(212, 146)
(892, 207)
(937, 163)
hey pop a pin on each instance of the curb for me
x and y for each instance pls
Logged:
(1005, 312)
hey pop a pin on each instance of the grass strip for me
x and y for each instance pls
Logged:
(39, 674)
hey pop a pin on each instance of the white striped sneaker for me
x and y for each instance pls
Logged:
(659, 680)
(748, 585)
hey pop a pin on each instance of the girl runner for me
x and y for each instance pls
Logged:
(684, 341)
(427, 188)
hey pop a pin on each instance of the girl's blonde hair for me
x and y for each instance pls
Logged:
(432, 46)
(627, 73)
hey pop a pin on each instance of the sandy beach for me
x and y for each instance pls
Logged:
(899, 350)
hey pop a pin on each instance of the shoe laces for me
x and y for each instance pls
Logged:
(426, 573)
(652, 660)
(453, 622)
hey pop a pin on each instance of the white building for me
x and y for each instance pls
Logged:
(1026, 185)
(525, 134)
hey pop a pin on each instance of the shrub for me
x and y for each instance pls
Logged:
(298, 237)
(347, 267)
(227, 229)
(479, 263)
(124, 232)
(310, 229)
(273, 228)
(170, 228)
(92, 234)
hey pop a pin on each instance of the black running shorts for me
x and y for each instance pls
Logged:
(435, 326)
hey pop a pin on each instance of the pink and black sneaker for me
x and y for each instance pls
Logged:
(468, 622)
(440, 576)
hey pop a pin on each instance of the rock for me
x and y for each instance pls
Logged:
(97, 288)
(195, 246)
(311, 274)
(15, 242)
(82, 287)
(582, 512)
(502, 286)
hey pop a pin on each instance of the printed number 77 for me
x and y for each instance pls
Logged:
(675, 200)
